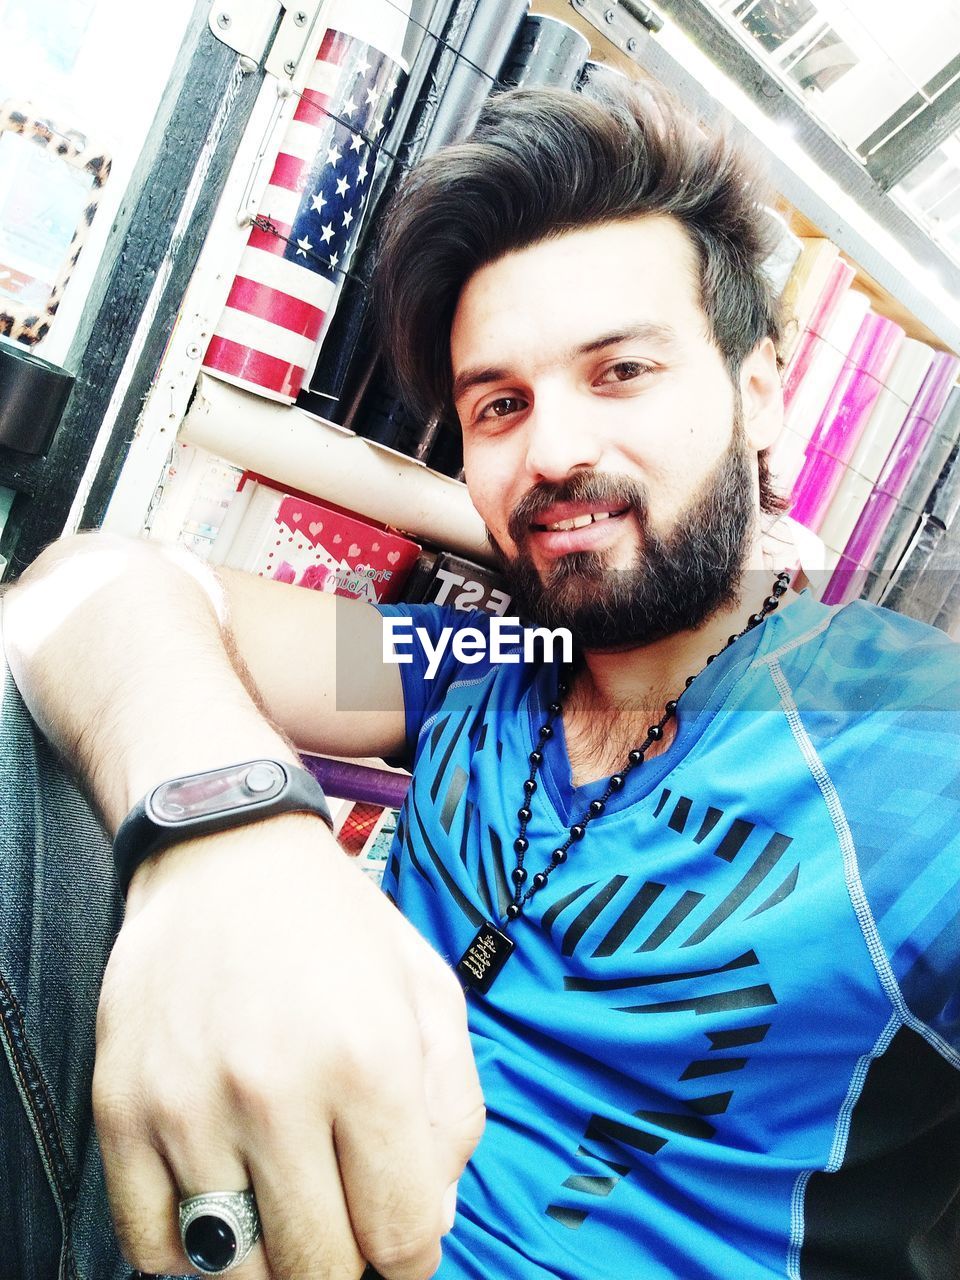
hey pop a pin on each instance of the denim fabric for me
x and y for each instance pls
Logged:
(59, 912)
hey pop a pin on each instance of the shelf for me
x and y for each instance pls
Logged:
(908, 277)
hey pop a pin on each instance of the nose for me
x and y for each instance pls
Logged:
(560, 438)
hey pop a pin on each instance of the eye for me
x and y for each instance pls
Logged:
(624, 371)
(502, 407)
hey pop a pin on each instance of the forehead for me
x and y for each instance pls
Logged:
(563, 292)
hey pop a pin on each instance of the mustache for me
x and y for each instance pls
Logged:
(615, 492)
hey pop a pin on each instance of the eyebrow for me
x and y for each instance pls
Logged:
(662, 335)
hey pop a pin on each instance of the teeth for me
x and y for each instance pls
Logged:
(576, 522)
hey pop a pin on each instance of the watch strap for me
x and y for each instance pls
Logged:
(215, 800)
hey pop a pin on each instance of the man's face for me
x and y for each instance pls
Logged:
(591, 395)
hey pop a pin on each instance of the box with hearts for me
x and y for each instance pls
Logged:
(297, 539)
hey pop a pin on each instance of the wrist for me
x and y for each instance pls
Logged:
(284, 846)
(230, 734)
(209, 802)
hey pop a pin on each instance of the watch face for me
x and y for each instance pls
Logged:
(202, 795)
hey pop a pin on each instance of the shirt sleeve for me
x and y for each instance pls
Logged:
(427, 659)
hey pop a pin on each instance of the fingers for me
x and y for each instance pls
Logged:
(389, 1166)
(307, 1233)
(147, 1177)
(143, 1202)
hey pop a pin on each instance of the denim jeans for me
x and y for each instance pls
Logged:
(59, 912)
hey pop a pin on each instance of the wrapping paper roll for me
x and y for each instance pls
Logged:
(456, 74)
(310, 214)
(421, 109)
(844, 418)
(349, 781)
(33, 396)
(937, 473)
(888, 416)
(344, 356)
(546, 52)
(840, 279)
(493, 29)
(779, 263)
(945, 503)
(850, 576)
(913, 363)
(948, 619)
(334, 465)
(922, 582)
(826, 363)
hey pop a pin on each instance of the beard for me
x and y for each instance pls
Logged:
(676, 582)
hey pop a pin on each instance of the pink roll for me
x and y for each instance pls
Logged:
(813, 390)
(844, 417)
(857, 559)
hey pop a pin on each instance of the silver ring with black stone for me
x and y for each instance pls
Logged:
(218, 1229)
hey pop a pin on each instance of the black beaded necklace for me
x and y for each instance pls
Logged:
(490, 950)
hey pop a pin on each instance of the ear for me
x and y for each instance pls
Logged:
(762, 395)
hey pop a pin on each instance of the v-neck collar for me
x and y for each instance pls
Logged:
(698, 705)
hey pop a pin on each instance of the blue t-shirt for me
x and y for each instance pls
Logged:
(727, 1044)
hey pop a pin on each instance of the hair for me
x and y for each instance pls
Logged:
(543, 162)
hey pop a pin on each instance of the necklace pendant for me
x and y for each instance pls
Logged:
(486, 955)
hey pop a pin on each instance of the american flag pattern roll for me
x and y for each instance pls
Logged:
(302, 239)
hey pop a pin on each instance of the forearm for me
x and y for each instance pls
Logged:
(123, 657)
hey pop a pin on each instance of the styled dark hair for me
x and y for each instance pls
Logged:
(542, 162)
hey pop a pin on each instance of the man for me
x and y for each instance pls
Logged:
(700, 885)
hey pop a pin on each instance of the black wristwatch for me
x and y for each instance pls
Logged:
(202, 803)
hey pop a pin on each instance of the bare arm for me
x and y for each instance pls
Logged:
(108, 635)
(266, 1016)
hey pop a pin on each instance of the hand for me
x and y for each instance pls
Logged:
(269, 1019)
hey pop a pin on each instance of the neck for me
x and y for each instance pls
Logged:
(625, 690)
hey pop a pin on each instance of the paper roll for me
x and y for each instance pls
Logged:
(948, 619)
(935, 480)
(825, 365)
(780, 261)
(492, 30)
(850, 577)
(464, 70)
(379, 414)
(349, 781)
(294, 449)
(922, 581)
(596, 76)
(345, 354)
(839, 281)
(844, 417)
